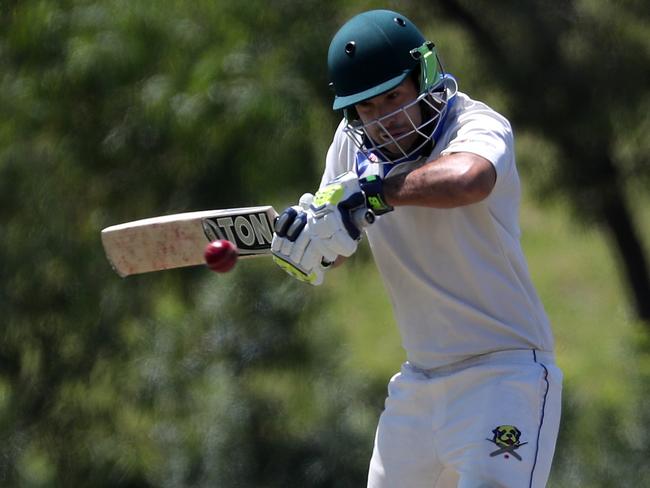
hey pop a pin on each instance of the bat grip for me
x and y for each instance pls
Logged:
(363, 217)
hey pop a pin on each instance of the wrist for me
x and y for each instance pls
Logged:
(373, 189)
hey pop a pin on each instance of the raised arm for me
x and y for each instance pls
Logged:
(453, 180)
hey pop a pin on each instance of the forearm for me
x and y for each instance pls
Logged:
(450, 181)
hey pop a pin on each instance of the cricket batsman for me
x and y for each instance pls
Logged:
(428, 175)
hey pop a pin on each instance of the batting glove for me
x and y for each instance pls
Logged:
(294, 248)
(342, 208)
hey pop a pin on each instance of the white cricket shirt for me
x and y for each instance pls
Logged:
(457, 278)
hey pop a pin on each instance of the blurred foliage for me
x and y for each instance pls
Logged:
(115, 110)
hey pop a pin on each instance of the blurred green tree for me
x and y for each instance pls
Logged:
(114, 110)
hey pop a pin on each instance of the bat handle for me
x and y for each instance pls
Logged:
(363, 217)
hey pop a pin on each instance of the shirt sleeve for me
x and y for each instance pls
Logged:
(480, 130)
(336, 162)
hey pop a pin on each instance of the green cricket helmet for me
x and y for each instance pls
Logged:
(373, 53)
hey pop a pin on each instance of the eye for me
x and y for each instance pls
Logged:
(363, 106)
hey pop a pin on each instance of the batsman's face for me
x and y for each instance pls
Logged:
(392, 123)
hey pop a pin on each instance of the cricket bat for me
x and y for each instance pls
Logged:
(176, 241)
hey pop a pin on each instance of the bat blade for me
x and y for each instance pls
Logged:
(178, 240)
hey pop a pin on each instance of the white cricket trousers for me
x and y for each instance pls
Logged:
(489, 421)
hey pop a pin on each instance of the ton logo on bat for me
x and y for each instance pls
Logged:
(249, 232)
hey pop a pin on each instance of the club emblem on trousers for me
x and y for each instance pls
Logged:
(507, 439)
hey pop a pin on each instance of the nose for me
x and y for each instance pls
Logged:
(388, 121)
(385, 109)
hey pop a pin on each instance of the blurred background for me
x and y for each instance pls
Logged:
(116, 110)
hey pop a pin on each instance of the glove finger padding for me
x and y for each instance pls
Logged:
(331, 230)
(331, 214)
(293, 249)
(313, 277)
(291, 222)
(303, 252)
(322, 252)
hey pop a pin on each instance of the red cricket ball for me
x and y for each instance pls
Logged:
(220, 256)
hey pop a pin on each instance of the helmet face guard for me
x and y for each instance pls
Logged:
(433, 105)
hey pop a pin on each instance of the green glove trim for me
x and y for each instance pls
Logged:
(297, 273)
(373, 189)
(330, 194)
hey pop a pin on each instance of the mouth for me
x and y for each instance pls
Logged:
(393, 135)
